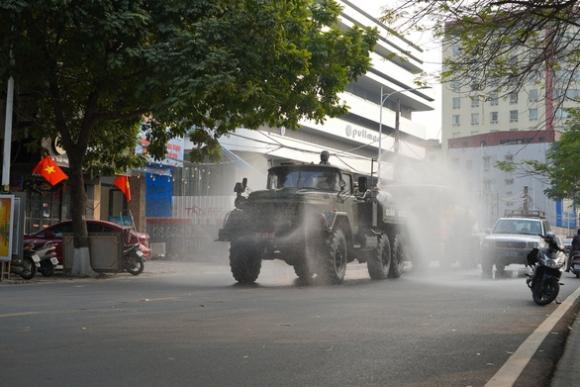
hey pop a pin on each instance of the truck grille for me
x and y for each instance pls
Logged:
(510, 244)
(275, 215)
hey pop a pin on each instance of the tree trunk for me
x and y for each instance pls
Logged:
(81, 264)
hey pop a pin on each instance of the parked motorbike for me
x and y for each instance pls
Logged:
(33, 260)
(546, 262)
(133, 260)
(575, 263)
(48, 260)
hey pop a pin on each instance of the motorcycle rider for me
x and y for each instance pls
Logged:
(573, 248)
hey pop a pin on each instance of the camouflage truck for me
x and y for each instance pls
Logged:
(317, 219)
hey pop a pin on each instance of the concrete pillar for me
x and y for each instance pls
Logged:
(137, 203)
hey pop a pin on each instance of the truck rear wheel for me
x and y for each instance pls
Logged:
(334, 258)
(379, 263)
(245, 261)
(398, 257)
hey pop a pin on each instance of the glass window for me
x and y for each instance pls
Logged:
(493, 117)
(493, 99)
(474, 118)
(455, 86)
(513, 98)
(533, 95)
(533, 114)
(59, 229)
(474, 101)
(513, 116)
(323, 179)
(517, 226)
(455, 120)
(456, 102)
(348, 183)
(94, 227)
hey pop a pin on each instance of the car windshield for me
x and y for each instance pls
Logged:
(518, 226)
(323, 179)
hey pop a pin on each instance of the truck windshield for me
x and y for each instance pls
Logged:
(517, 226)
(327, 180)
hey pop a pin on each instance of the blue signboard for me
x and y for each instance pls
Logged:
(159, 193)
(565, 217)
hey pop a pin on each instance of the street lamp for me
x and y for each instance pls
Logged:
(384, 99)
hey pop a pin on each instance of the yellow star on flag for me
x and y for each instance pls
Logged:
(49, 169)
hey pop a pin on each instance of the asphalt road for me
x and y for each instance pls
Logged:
(189, 325)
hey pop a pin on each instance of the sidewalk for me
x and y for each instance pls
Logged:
(567, 372)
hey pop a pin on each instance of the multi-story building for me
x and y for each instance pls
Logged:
(482, 127)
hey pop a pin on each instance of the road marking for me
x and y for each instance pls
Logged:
(20, 314)
(511, 370)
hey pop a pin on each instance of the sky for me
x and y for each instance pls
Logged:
(432, 59)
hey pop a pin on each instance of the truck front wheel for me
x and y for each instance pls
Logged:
(379, 263)
(335, 258)
(245, 261)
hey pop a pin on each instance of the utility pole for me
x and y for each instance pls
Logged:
(8, 136)
(525, 200)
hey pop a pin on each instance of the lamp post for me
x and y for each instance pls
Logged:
(384, 99)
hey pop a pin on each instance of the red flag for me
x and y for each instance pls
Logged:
(48, 169)
(122, 182)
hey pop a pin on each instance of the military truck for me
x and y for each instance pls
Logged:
(316, 218)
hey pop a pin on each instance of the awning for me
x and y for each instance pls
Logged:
(275, 145)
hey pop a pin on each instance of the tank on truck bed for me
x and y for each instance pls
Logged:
(317, 219)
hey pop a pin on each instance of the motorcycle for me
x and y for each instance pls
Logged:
(546, 262)
(575, 263)
(32, 261)
(132, 260)
(48, 260)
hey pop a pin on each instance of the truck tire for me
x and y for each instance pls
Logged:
(379, 263)
(398, 255)
(333, 263)
(245, 261)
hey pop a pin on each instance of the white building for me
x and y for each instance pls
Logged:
(352, 140)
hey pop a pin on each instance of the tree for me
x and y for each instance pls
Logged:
(94, 69)
(562, 167)
(502, 44)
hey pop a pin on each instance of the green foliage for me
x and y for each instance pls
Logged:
(95, 68)
(506, 166)
(504, 44)
(563, 165)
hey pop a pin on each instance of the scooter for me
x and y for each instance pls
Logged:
(575, 263)
(133, 260)
(546, 262)
(48, 260)
(31, 260)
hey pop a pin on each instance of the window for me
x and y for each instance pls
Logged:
(456, 102)
(509, 181)
(475, 102)
(533, 95)
(509, 204)
(455, 86)
(486, 163)
(456, 50)
(513, 116)
(455, 120)
(509, 157)
(493, 99)
(513, 98)
(348, 183)
(533, 114)
(493, 118)
(474, 118)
